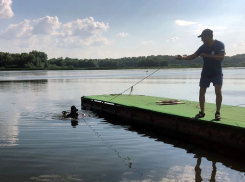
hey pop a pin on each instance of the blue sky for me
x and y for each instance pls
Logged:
(118, 28)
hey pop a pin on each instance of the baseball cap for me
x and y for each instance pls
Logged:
(206, 32)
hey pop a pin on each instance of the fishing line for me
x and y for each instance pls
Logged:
(124, 160)
(134, 85)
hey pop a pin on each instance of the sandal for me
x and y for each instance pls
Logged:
(200, 115)
(217, 116)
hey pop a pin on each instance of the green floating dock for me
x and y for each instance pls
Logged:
(231, 115)
(230, 130)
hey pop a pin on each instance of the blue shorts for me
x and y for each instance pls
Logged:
(205, 81)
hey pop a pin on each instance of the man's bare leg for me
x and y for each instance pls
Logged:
(218, 93)
(202, 93)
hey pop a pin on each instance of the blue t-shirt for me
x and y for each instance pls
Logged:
(211, 67)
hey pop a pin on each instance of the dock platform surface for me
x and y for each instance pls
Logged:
(231, 115)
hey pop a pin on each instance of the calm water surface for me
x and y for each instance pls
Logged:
(37, 144)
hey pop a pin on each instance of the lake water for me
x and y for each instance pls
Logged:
(37, 144)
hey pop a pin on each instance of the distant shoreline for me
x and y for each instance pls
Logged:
(169, 67)
(36, 60)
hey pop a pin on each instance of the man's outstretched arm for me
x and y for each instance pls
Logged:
(190, 57)
(218, 57)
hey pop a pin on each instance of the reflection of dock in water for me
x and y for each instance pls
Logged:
(200, 152)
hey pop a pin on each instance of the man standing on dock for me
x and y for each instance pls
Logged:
(213, 52)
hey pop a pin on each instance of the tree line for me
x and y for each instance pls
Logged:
(39, 60)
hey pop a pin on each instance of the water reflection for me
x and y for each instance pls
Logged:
(188, 172)
(55, 178)
(9, 130)
(23, 73)
(23, 85)
(46, 147)
(126, 160)
(213, 174)
(198, 170)
(74, 123)
(16, 100)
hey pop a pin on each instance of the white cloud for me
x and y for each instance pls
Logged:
(198, 28)
(20, 30)
(88, 31)
(184, 23)
(74, 42)
(82, 32)
(122, 34)
(174, 38)
(240, 44)
(46, 25)
(5, 9)
(217, 27)
(83, 28)
(100, 41)
(147, 42)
